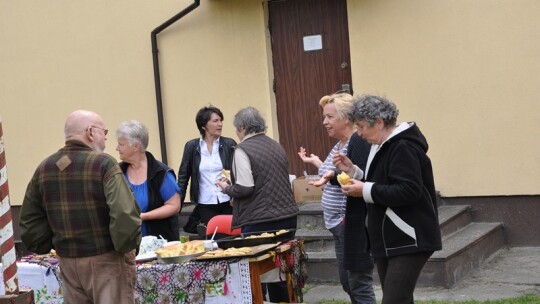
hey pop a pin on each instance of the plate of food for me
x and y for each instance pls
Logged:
(179, 259)
(226, 253)
(180, 252)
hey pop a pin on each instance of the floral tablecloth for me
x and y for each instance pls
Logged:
(219, 281)
(213, 282)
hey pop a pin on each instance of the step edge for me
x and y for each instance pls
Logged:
(456, 212)
(491, 228)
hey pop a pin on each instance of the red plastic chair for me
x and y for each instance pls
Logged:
(223, 222)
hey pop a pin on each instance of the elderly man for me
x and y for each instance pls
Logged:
(78, 203)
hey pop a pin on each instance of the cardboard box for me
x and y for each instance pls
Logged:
(304, 192)
(24, 297)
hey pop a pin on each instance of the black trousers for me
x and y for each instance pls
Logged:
(399, 274)
(277, 292)
(207, 212)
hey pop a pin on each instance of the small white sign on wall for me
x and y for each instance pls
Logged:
(312, 43)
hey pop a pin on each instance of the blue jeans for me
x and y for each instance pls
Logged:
(357, 284)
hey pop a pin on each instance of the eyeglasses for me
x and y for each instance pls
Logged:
(105, 131)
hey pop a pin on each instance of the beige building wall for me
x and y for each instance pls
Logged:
(63, 55)
(465, 71)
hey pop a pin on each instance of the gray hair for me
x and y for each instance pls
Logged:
(249, 119)
(369, 108)
(134, 132)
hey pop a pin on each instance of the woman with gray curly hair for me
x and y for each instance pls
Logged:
(153, 183)
(400, 194)
(261, 190)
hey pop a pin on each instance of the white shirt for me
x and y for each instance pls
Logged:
(210, 172)
(242, 166)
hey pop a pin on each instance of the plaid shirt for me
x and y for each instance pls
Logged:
(78, 203)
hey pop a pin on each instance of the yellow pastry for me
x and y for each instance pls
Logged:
(179, 249)
(343, 178)
(226, 176)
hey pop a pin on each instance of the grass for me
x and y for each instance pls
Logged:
(525, 299)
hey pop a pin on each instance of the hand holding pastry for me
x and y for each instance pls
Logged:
(222, 185)
(226, 177)
(353, 188)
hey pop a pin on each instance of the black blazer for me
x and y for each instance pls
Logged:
(191, 160)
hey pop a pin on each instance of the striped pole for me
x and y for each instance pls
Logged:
(7, 243)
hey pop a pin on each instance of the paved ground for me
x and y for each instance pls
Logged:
(509, 273)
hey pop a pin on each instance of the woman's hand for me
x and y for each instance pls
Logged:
(222, 185)
(343, 163)
(353, 188)
(323, 180)
(311, 159)
(171, 207)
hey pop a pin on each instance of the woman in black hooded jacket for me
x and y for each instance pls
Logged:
(400, 195)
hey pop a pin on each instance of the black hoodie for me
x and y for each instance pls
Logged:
(400, 195)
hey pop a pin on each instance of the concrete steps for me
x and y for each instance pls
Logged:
(316, 240)
(465, 246)
(319, 244)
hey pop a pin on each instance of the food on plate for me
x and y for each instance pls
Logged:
(265, 234)
(343, 178)
(282, 231)
(262, 235)
(226, 176)
(227, 252)
(178, 249)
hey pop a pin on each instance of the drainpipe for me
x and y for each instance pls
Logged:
(157, 79)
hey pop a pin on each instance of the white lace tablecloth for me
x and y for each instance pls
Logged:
(43, 280)
(214, 282)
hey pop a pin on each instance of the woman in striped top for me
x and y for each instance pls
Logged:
(359, 285)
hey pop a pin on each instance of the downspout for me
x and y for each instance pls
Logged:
(157, 80)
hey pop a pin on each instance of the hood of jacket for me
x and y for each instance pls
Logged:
(408, 131)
